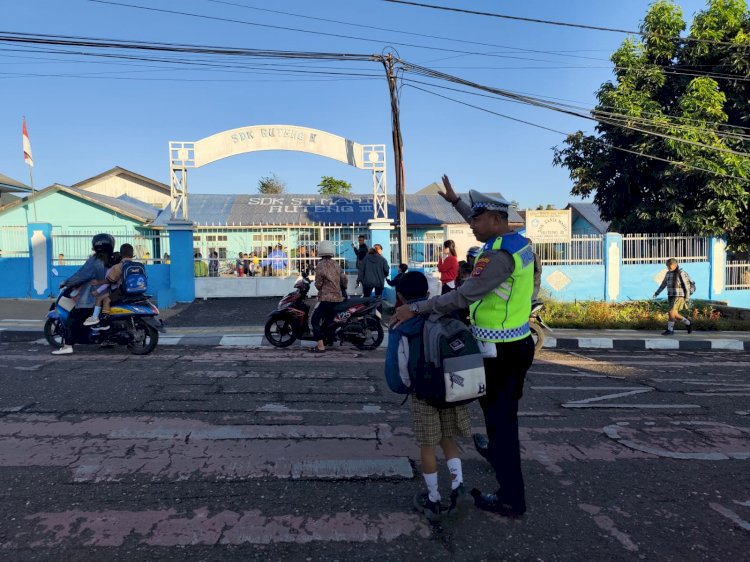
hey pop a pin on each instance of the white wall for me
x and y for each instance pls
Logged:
(114, 186)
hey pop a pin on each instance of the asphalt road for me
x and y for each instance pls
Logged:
(231, 454)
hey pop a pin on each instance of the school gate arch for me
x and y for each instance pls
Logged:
(194, 154)
(184, 155)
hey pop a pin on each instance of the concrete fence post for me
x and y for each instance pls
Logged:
(612, 256)
(181, 274)
(717, 264)
(40, 259)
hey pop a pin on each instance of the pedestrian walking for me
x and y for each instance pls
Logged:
(499, 296)
(373, 270)
(448, 266)
(678, 284)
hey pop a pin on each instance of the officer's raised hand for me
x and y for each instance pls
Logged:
(449, 195)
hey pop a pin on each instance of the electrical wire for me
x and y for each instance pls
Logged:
(561, 108)
(587, 139)
(565, 24)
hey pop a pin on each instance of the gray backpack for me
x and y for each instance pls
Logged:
(451, 372)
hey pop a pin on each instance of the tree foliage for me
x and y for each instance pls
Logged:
(271, 185)
(673, 128)
(331, 186)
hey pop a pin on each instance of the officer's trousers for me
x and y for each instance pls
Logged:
(505, 379)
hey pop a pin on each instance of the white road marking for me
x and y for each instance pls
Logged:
(609, 396)
(589, 388)
(729, 514)
(638, 406)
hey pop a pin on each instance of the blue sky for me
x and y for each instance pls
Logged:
(86, 116)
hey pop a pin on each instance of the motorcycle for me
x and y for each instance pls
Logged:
(355, 320)
(537, 325)
(133, 323)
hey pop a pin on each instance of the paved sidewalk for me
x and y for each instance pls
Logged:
(239, 323)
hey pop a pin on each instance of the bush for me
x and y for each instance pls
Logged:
(636, 315)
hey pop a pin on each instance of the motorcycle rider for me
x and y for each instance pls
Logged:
(95, 268)
(331, 283)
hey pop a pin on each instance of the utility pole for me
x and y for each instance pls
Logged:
(398, 155)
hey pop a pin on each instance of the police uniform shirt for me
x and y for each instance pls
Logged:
(490, 270)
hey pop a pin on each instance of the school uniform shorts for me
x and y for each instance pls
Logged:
(432, 424)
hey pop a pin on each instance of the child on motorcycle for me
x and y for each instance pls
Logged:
(107, 290)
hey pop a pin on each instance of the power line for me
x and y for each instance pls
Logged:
(412, 33)
(587, 139)
(562, 23)
(562, 108)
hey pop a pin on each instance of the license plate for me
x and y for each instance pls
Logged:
(377, 313)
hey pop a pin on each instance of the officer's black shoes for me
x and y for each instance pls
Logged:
(458, 500)
(431, 510)
(481, 444)
(491, 503)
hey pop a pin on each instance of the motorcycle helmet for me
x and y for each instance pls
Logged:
(103, 243)
(473, 252)
(326, 248)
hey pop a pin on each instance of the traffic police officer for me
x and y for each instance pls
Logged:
(498, 294)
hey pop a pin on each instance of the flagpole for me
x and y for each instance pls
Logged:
(33, 199)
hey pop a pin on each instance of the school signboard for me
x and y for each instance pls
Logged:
(548, 226)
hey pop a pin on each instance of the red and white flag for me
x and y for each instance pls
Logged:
(26, 146)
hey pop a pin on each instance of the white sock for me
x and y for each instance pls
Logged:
(97, 310)
(686, 321)
(670, 326)
(432, 486)
(457, 477)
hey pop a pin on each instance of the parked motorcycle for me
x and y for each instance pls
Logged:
(537, 325)
(134, 323)
(356, 321)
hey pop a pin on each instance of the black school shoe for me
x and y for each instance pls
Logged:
(690, 328)
(431, 510)
(491, 503)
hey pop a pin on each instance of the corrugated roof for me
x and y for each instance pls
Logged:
(9, 184)
(590, 213)
(208, 209)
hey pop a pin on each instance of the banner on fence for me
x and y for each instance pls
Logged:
(549, 226)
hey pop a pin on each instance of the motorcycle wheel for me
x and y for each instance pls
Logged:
(374, 334)
(53, 332)
(537, 334)
(146, 338)
(280, 332)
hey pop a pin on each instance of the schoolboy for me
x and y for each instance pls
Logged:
(432, 426)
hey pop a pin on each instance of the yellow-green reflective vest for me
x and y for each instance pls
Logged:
(503, 314)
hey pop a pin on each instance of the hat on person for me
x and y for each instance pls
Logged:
(481, 203)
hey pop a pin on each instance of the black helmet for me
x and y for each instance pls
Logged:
(103, 243)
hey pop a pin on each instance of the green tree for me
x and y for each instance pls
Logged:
(670, 151)
(331, 186)
(271, 185)
(547, 207)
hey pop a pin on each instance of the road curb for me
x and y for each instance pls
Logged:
(658, 344)
(256, 339)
